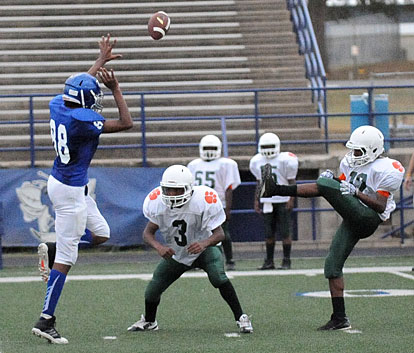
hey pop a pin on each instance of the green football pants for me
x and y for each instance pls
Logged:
(169, 270)
(278, 220)
(359, 221)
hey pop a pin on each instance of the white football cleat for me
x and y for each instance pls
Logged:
(143, 325)
(245, 325)
(43, 261)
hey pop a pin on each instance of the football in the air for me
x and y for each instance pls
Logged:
(158, 25)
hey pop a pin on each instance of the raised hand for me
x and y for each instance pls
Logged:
(108, 78)
(105, 47)
(105, 54)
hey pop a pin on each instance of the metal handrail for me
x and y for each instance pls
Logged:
(308, 47)
(255, 116)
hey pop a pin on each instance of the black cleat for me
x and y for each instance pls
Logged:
(285, 264)
(267, 184)
(267, 265)
(46, 328)
(336, 324)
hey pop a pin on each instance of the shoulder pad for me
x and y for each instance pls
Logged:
(154, 194)
(57, 100)
(287, 155)
(227, 160)
(205, 194)
(83, 114)
(256, 157)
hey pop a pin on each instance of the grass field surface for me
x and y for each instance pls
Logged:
(93, 314)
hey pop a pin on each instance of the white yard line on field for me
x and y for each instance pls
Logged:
(401, 274)
(396, 270)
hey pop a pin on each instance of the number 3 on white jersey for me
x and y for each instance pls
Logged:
(60, 145)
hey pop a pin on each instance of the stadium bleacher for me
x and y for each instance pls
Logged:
(212, 45)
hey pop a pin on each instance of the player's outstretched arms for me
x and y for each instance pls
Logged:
(125, 120)
(105, 54)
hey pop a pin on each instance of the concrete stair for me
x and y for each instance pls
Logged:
(212, 45)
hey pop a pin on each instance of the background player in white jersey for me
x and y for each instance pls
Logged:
(189, 219)
(76, 124)
(362, 195)
(276, 209)
(221, 174)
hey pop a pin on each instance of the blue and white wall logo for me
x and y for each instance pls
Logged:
(29, 216)
(37, 209)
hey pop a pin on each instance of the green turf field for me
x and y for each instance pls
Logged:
(94, 314)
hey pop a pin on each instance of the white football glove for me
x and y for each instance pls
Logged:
(348, 188)
(327, 174)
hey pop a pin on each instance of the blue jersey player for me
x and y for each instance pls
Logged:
(75, 125)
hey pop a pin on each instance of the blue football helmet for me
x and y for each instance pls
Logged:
(84, 89)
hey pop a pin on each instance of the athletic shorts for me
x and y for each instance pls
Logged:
(279, 220)
(74, 212)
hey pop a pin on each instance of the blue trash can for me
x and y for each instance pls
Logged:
(359, 106)
(382, 121)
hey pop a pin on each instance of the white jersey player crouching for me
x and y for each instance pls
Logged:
(189, 219)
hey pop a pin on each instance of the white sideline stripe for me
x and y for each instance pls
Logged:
(113, 5)
(132, 73)
(113, 16)
(71, 29)
(58, 87)
(126, 62)
(51, 52)
(201, 274)
(122, 39)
